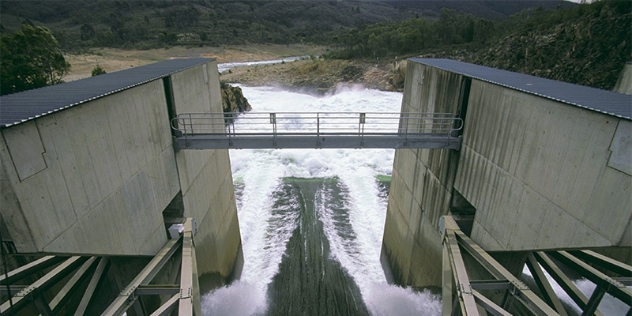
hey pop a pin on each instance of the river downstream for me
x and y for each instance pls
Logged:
(312, 221)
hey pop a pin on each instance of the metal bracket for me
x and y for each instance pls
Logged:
(188, 294)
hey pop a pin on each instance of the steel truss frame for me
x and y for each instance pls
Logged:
(461, 294)
(184, 297)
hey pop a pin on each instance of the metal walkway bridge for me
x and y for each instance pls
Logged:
(317, 130)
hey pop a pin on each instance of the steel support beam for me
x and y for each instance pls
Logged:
(127, 298)
(543, 284)
(34, 290)
(594, 301)
(627, 281)
(603, 281)
(40, 303)
(157, 289)
(563, 281)
(447, 281)
(455, 241)
(94, 281)
(604, 262)
(486, 285)
(14, 289)
(520, 291)
(28, 269)
(489, 306)
(79, 275)
(189, 285)
(185, 296)
(457, 265)
(168, 307)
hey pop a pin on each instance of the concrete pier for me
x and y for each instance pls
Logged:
(536, 171)
(89, 167)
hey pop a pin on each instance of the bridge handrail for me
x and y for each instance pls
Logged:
(317, 123)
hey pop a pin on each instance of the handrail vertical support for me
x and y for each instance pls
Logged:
(318, 129)
(231, 131)
(274, 128)
(361, 128)
(190, 125)
(406, 131)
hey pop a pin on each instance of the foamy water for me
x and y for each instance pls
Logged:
(264, 237)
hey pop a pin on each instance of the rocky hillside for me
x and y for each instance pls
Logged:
(587, 44)
(590, 48)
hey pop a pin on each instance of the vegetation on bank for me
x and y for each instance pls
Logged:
(588, 44)
(143, 24)
(148, 24)
(31, 59)
(412, 36)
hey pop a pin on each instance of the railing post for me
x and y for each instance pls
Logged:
(191, 122)
(274, 128)
(406, 130)
(361, 128)
(186, 132)
(231, 131)
(318, 129)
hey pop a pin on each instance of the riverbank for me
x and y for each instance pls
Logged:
(321, 76)
(112, 59)
(311, 74)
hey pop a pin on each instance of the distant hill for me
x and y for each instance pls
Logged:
(585, 44)
(486, 9)
(145, 24)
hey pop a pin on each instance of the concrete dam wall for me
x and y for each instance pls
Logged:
(93, 172)
(536, 171)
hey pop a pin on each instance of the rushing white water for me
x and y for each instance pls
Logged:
(261, 171)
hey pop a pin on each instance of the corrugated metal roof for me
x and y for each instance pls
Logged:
(604, 101)
(24, 106)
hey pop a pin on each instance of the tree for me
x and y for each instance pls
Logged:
(30, 58)
(97, 70)
(87, 32)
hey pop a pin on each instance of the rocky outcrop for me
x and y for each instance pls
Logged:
(233, 99)
(321, 76)
(386, 77)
